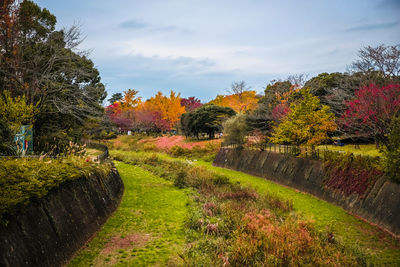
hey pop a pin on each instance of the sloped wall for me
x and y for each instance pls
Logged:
(50, 230)
(381, 205)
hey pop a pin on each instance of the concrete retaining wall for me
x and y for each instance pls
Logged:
(50, 230)
(381, 205)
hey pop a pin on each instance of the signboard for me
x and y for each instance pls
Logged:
(24, 140)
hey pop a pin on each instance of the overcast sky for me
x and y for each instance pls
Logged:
(200, 47)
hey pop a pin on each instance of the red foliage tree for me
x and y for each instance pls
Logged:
(372, 110)
(118, 116)
(280, 111)
(191, 103)
(150, 121)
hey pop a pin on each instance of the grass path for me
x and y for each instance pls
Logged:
(381, 247)
(147, 229)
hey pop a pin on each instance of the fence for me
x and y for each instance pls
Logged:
(314, 153)
(98, 146)
(89, 144)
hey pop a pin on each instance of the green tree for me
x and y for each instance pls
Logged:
(307, 122)
(45, 66)
(115, 97)
(235, 130)
(206, 119)
(334, 89)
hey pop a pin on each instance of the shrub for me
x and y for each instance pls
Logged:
(220, 179)
(177, 151)
(149, 147)
(180, 179)
(24, 178)
(265, 241)
(5, 139)
(392, 153)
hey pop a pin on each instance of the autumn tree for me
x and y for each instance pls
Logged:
(274, 105)
(130, 99)
(191, 103)
(118, 116)
(371, 111)
(169, 108)
(240, 102)
(308, 122)
(149, 121)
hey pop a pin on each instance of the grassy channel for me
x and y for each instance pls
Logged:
(379, 247)
(193, 245)
(147, 228)
(231, 234)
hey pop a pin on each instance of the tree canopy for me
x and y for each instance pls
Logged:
(45, 66)
(206, 119)
(371, 112)
(307, 122)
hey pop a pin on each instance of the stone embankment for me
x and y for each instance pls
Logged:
(48, 231)
(381, 204)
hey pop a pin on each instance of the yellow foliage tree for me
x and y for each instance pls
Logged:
(129, 103)
(240, 102)
(130, 100)
(170, 107)
(16, 111)
(307, 122)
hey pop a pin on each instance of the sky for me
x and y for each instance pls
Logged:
(198, 48)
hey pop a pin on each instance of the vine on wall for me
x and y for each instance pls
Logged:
(351, 173)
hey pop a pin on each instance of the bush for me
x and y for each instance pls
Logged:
(24, 178)
(392, 153)
(177, 151)
(5, 139)
(180, 179)
(149, 147)
(264, 241)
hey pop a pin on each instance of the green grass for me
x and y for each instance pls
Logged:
(381, 248)
(93, 152)
(151, 207)
(365, 150)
